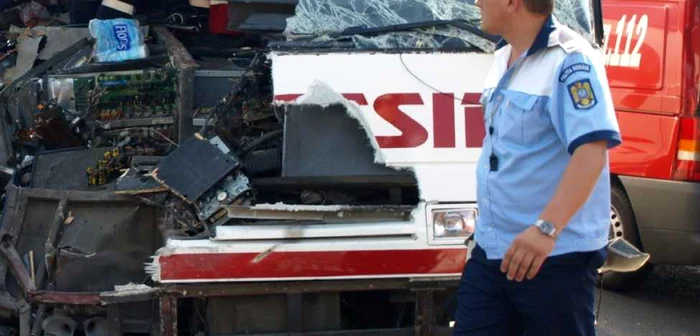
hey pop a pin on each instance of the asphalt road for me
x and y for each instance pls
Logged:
(667, 304)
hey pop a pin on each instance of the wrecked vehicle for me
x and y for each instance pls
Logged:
(292, 176)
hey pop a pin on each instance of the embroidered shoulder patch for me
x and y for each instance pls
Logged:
(582, 95)
(571, 69)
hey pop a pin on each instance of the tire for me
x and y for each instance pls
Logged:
(623, 223)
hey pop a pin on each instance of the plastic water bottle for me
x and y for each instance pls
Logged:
(117, 40)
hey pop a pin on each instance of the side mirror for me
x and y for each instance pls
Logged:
(623, 257)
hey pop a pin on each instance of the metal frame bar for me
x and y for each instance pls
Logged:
(320, 286)
(168, 316)
(186, 65)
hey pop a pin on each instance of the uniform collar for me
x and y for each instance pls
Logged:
(541, 40)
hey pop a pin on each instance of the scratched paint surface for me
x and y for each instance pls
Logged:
(242, 266)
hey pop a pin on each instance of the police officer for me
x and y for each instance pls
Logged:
(543, 180)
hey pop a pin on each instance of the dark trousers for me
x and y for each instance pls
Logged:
(560, 300)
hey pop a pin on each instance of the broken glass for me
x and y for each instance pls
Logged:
(316, 19)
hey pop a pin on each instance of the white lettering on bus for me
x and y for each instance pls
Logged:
(632, 59)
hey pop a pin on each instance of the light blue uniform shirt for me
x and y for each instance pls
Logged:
(554, 99)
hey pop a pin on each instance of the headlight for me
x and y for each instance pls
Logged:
(453, 224)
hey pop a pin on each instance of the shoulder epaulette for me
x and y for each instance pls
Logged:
(570, 41)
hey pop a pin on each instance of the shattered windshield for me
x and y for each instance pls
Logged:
(319, 20)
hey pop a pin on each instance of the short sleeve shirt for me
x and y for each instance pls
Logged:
(552, 100)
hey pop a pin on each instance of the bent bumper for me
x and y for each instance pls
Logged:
(668, 218)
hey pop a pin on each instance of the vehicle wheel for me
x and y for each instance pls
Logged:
(623, 224)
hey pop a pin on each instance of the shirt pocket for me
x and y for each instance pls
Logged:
(529, 116)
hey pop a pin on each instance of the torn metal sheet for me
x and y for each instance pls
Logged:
(46, 65)
(321, 17)
(114, 240)
(105, 245)
(57, 38)
(28, 50)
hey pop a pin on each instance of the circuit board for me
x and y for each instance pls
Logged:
(118, 99)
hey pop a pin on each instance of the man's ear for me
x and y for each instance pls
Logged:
(514, 5)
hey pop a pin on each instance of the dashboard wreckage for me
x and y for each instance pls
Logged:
(286, 178)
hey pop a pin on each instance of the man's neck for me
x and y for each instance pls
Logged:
(523, 35)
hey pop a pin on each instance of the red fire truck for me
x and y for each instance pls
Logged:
(652, 53)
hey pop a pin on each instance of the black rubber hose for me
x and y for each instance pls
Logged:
(261, 140)
(264, 161)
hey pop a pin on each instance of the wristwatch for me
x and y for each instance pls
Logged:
(546, 227)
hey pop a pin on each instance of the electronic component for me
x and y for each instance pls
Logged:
(229, 191)
(118, 99)
(106, 168)
(206, 174)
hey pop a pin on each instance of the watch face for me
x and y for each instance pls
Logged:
(546, 227)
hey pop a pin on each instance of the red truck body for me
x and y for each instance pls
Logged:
(652, 59)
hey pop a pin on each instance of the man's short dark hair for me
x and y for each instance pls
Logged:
(543, 7)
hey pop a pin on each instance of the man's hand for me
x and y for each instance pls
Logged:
(526, 254)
